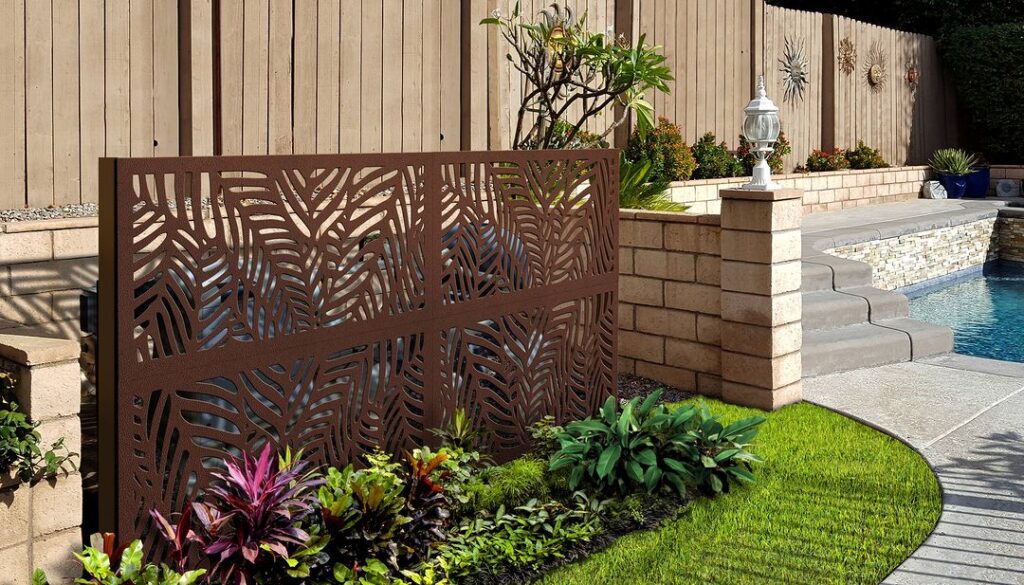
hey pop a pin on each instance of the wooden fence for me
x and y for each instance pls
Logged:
(81, 79)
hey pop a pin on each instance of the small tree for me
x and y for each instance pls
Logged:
(573, 74)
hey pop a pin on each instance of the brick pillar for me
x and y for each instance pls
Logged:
(761, 303)
(40, 523)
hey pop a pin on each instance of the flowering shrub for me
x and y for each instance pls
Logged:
(865, 157)
(745, 153)
(822, 161)
(670, 157)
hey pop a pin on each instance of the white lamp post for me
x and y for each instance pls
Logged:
(761, 127)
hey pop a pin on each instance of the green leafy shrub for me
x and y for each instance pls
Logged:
(714, 161)
(646, 447)
(952, 161)
(987, 67)
(822, 161)
(509, 485)
(670, 157)
(113, 566)
(638, 191)
(20, 451)
(749, 158)
(865, 157)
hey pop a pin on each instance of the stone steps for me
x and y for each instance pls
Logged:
(848, 324)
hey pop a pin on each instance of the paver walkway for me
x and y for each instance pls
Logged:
(966, 416)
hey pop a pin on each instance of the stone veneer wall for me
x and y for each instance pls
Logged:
(1011, 235)
(43, 264)
(40, 523)
(914, 258)
(670, 299)
(822, 191)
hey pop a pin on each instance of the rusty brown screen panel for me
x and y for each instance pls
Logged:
(337, 303)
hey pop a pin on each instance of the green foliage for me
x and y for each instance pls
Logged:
(714, 161)
(822, 161)
(126, 568)
(509, 485)
(638, 191)
(576, 74)
(952, 161)
(670, 157)
(460, 432)
(865, 157)
(646, 447)
(544, 437)
(525, 537)
(564, 136)
(20, 450)
(749, 158)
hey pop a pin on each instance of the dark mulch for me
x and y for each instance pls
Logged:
(631, 386)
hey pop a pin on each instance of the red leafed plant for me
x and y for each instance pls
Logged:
(249, 521)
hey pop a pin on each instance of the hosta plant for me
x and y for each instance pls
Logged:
(717, 453)
(123, 566)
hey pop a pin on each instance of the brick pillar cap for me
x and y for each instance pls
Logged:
(752, 195)
(31, 350)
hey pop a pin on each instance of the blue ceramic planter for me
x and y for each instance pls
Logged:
(978, 182)
(955, 185)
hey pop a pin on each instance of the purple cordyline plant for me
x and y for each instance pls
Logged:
(249, 520)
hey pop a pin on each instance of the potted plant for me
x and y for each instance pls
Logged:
(979, 179)
(952, 165)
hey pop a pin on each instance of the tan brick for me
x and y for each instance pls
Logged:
(66, 304)
(625, 260)
(29, 349)
(626, 321)
(680, 378)
(50, 391)
(640, 234)
(761, 216)
(25, 247)
(763, 279)
(701, 298)
(761, 247)
(694, 238)
(15, 510)
(54, 554)
(760, 341)
(662, 264)
(627, 366)
(56, 504)
(68, 428)
(679, 324)
(693, 356)
(750, 396)
(761, 310)
(649, 348)
(50, 276)
(770, 373)
(27, 309)
(642, 291)
(17, 566)
(709, 270)
(709, 384)
(76, 243)
(709, 329)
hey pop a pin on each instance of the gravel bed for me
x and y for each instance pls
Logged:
(37, 213)
(631, 386)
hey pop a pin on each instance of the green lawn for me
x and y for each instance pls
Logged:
(835, 502)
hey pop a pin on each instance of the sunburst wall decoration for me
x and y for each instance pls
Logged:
(876, 69)
(794, 69)
(913, 76)
(847, 56)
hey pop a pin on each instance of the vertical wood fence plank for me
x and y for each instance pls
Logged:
(351, 89)
(451, 55)
(12, 106)
(255, 77)
(165, 78)
(431, 51)
(39, 102)
(201, 76)
(140, 44)
(304, 86)
(372, 80)
(232, 84)
(67, 186)
(391, 101)
(90, 38)
(279, 109)
(328, 76)
(412, 77)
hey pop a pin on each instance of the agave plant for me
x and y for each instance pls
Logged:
(952, 161)
(250, 521)
(638, 191)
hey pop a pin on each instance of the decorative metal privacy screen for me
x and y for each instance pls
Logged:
(340, 303)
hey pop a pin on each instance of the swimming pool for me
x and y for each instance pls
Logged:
(985, 311)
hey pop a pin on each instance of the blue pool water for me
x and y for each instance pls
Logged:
(986, 312)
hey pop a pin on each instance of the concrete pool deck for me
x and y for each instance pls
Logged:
(965, 415)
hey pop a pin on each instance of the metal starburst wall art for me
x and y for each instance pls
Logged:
(795, 70)
(876, 69)
(847, 56)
